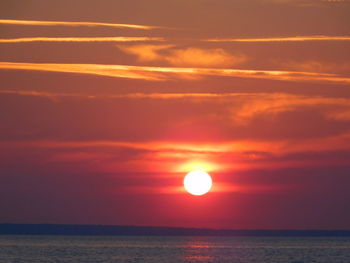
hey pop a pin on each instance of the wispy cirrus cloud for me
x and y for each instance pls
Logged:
(282, 39)
(168, 73)
(238, 110)
(316, 65)
(184, 57)
(254, 149)
(118, 71)
(247, 105)
(80, 39)
(204, 57)
(145, 53)
(129, 95)
(171, 152)
(66, 23)
(306, 3)
(257, 102)
(276, 103)
(336, 1)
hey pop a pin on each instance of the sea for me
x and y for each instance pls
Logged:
(164, 249)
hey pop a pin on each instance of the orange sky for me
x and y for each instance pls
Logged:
(105, 105)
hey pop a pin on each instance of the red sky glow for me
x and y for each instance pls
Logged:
(105, 106)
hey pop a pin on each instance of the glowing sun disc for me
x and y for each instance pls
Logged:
(197, 182)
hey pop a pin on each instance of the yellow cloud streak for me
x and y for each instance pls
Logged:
(253, 103)
(284, 39)
(257, 102)
(80, 39)
(66, 23)
(276, 103)
(119, 71)
(128, 95)
(331, 143)
(161, 146)
(166, 73)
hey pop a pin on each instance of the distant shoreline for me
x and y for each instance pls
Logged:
(105, 230)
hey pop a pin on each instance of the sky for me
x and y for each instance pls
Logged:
(106, 105)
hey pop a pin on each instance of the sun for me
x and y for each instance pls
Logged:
(197, 182)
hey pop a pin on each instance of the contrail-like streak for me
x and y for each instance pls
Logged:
(168, 73)
(80, 39)
(283, 39)
(66, 23)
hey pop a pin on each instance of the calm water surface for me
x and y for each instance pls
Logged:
(74, 249)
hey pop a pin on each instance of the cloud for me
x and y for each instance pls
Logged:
(336, 1)
(145, 53)
(80, 39)
(193, 57)
(283, 39)
(306, 3)
(340, 114)
(173, 157)
(168, 73)
(273, 104)
(316, 66)
(66, 23)
(247, 108)
(103, 127)
(118, 71)
(236, 116)
(203, 58)
(196, 96)
(187, 124)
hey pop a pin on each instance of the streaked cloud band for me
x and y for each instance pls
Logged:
(283, 39)
(80, 39)
(166, 73)
(66, 23)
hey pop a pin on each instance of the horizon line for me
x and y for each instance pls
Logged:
(182, 227)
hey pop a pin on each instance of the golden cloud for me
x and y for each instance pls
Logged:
(66, 23)
(249, 105)
(167, 73)
(283, 39)
(193, 57)
(274, 104)
(80, 39)
(145, 53)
